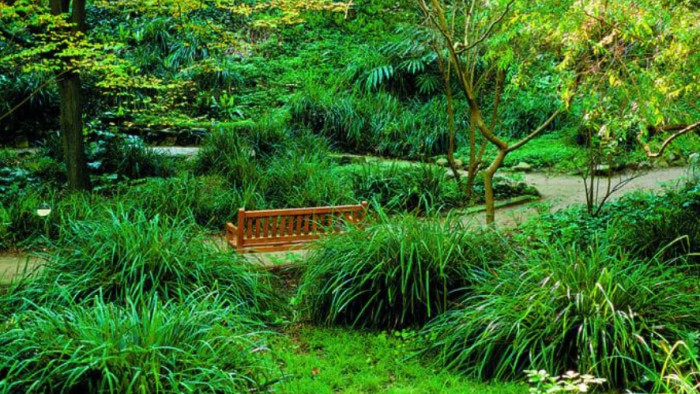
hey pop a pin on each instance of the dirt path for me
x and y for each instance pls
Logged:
(560, 191)
(12, 265)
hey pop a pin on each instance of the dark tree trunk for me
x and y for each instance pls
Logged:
(71, 110)
(72, 132)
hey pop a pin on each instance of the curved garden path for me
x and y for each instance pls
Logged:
(558, 191)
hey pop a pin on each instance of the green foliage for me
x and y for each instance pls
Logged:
(395, 273)
(644, 224)
(404, 188)
(153, 346)
(126, 157)
(647, 223)
(291, 173)
(377, 123)
(133, 255)
(594, 309)
(680, 371)
(208, 200)
(21, 227)
(556, 150)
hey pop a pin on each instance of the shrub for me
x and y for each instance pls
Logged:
(376, 123)
(200, 345)
(21, 227)
(298, 178)
(227, 154)
(401, 188)
(126, 156)
(395, 273)
(209, 199)
(112, 157)
(131, 255)
(593, 310)
(646, 223)
(642, 223)
(292, 173)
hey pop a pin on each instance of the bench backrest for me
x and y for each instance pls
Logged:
(280, 229)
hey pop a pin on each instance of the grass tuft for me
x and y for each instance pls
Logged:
(398, 272)
(590, 310)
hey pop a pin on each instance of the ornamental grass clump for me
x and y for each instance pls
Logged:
(132, 255)
(149, 346)
(394, 273)
(593, 310)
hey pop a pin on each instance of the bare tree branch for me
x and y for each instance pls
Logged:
(488, 30)
(667, 141)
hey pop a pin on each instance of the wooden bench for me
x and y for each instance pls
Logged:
(282, 229)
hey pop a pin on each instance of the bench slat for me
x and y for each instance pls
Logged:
(307, 219)
(281, 240)
(297, 228)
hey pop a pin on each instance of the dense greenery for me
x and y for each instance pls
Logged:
(422, 108)
(396, 273)
(594, 310)
(149, 346)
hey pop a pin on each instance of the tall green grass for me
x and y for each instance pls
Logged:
(292, 173)
(201, 345)
(680, 368)
(395, 273)
(131, 255)
(377, 123)
(594, 310)
(209, 200)
(22, 228)
(404, 187)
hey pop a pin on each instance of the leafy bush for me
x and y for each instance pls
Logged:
(126, 156)
(292, 173)
(303, 178)
(408, 188)
(594, 310)
(395, 273)
(227, 153)
(642, 223)
(209, 199)
(645, 223)
(113, 157)
(21, 227)
(376, 123)
(132, 255)
(200, 345)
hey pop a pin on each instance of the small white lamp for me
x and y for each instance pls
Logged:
(43, 210)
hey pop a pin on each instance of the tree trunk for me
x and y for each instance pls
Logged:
(489, 197)
(71, 109)
(72, 132)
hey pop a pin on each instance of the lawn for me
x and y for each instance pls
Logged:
(318, 360)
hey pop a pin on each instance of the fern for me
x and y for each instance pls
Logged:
(378, 75)
(427, 83)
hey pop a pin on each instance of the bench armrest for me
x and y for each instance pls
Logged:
(231, 233)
